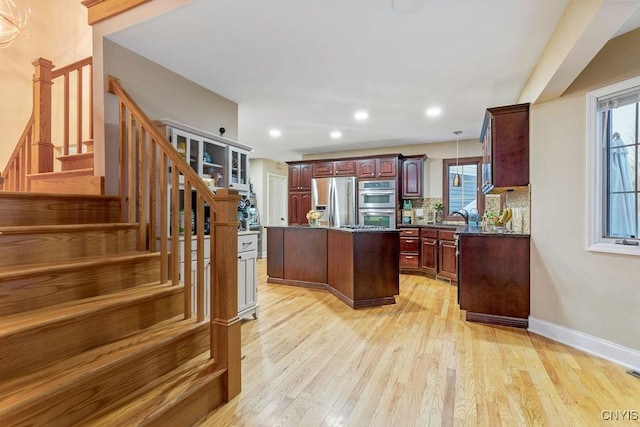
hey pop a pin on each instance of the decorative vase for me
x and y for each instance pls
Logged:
(313, 223)
(438, 216)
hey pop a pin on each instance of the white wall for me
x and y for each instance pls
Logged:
(161, 94)
(593, 293)
(45, 37)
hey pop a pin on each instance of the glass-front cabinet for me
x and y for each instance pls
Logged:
(239, 168)
(220, 162)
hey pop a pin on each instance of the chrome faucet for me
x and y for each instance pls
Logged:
(464, 214)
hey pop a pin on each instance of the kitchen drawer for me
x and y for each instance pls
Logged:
(431, 233)
(247, 242)
(194, 248)
(409, 261)
(409, 244)
(410, 232)
(447, 235)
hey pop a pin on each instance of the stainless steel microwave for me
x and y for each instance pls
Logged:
(377, 194)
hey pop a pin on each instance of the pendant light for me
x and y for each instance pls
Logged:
(457, 180)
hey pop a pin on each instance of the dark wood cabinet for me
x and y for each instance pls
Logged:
(367, 168)
(429, 255)
(505, 148)
(437, 253)
(377, 168)
(387, 168)
(412, 173)
(321, 169)
(410, 249)
(345, 168)
(299, 205)
(300, 177)
(494, 278)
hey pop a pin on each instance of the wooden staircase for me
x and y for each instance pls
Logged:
(88, 333)
(31, 165)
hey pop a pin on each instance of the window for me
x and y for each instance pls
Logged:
(614, 195)
(468, 196)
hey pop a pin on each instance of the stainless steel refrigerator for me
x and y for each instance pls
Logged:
(335, 198)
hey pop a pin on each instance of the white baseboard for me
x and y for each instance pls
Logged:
(624, 356)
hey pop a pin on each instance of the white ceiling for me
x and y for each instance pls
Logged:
(305, 66)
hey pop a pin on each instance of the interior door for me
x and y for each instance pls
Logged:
(276, 200)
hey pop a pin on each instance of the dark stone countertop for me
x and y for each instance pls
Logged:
(345, 230)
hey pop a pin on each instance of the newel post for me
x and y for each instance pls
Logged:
(41, 146)
(225, 324)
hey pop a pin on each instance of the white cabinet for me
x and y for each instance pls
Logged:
(220, 162)
(239, 169)
(247, 276)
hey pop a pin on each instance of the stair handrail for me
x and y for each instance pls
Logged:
(19, 165)
(149, 164)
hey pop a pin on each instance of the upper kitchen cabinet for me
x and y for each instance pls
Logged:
(300, 177)
(239, 168)
(412, 175)
(377, 168)
(505, 148)
(334, 168)
(221, 162)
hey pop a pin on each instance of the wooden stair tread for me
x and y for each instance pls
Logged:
(54, 378)
(62, 174)
(46, 316)
(85, 262)
(65, 228)
(38, 196)
(149, 402)
(87, 154)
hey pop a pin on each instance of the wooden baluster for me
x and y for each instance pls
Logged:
(200, 255)
(187, 279)
(175, 224)
(142, 188)
(79, 112)
(122, 131)
(90, 114)
(153, 191)
(67, 120)
(164, 218)
(225, 324)
(131, 167)
(42, 151)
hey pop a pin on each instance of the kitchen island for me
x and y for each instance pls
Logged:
(358, 266)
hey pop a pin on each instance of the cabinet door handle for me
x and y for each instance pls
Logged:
(245, 244)
(408, 257)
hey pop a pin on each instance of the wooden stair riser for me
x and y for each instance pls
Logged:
(28, 350)
(83, 396)
(64, 245)
(78, 181)
(76, 161)
(183, 397)
(55, 285)
(22, 209)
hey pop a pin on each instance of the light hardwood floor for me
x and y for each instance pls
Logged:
(310, 360)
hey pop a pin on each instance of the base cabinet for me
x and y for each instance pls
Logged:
(247, 275)
(410, 249)
(494, 279)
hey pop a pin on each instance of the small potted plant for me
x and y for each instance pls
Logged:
(439, 207)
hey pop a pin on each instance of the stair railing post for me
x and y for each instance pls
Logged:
(41, 145)
(225, 324)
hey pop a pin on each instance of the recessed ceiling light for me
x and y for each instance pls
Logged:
(336, 134)
(274, 133)
(361, 115)
(434, 111)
